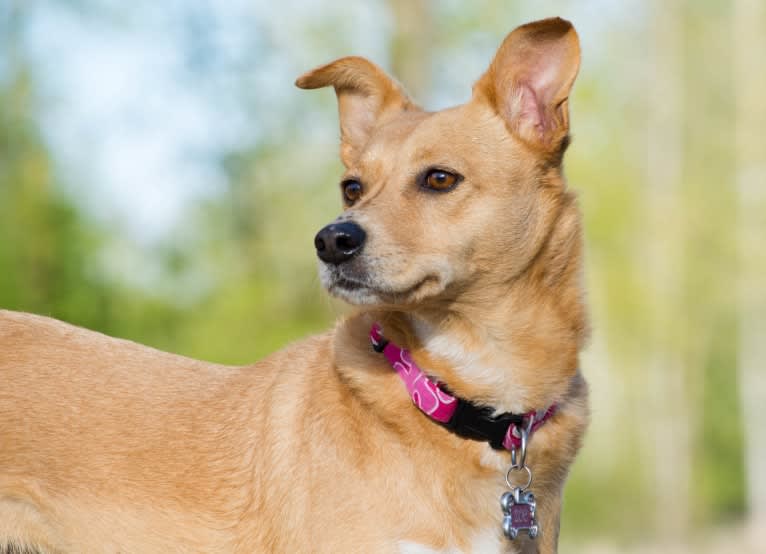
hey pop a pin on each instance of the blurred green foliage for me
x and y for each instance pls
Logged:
(46, 248)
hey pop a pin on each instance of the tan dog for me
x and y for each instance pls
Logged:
(463, 242)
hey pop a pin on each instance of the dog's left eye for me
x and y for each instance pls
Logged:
(352, 190)
(440, 180)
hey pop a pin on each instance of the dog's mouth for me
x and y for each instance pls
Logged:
(365, 290)
(349, 284)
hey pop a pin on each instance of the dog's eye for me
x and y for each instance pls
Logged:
(440, 180)
(352, 190)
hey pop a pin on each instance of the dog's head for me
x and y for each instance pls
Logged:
(441, 203)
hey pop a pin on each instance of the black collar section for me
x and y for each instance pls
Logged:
(477, 423)
(470, 421)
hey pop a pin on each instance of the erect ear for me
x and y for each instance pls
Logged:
(366, 97)
(529, 81)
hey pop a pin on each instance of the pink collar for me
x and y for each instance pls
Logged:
(458, 415)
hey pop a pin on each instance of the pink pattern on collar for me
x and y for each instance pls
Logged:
(426, 394)
(436, 403)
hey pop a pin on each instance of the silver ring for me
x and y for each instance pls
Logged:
(523, 463)
(531, 422)
(524, 437)
(517, 468)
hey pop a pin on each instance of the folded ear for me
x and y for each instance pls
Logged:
(529, 81)
(366, 97)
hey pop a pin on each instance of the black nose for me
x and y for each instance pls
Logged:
(339, 242)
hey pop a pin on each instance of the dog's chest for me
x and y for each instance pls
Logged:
(487, 541)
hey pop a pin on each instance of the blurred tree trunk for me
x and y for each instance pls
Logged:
(749, 31)
(411, 45)
(669, 432)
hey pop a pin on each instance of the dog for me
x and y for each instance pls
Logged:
(442, 416)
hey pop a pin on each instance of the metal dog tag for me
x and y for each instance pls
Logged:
(519, 513)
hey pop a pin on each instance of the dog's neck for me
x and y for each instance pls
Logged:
(515, 346)
(505, 358)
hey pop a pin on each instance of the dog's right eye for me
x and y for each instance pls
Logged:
(352, 190)
(439, 180)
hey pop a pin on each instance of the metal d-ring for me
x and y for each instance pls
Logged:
(517, 468)
(522, 463)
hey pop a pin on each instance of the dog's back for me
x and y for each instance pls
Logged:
(78, 404)
(188, 456)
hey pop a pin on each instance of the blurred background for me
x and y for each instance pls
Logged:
(161, 180)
